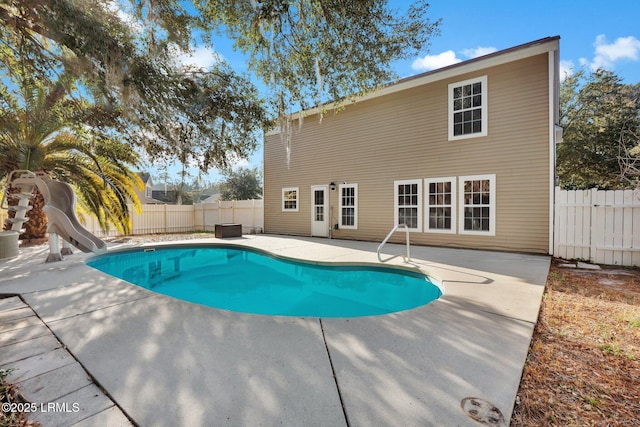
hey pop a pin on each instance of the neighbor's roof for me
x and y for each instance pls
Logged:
(144, 176)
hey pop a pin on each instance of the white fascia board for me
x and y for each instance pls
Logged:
(491, 60)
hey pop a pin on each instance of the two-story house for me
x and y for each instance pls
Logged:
(463, 155)
(146, 196)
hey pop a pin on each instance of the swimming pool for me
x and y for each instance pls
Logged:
(253, 281)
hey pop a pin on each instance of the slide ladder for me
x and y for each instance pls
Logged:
(9, 238)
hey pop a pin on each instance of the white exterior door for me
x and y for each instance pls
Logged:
(319, 211)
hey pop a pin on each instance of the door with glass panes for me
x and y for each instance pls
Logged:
(319, 211)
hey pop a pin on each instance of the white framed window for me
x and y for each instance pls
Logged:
(290, 199)
(408, 203)
(468, 108)
(478, 204)
(440, 209)
(348, 206)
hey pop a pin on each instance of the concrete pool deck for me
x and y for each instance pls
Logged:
(163, 361)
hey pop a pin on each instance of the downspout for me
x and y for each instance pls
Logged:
(555, 132)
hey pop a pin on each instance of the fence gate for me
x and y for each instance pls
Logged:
(600, 226)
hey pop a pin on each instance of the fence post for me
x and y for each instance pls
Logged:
(194, 216)
(165, 218)
(253, 216)
(593, 193)
(556, 220)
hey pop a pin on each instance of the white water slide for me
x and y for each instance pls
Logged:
(60, 208)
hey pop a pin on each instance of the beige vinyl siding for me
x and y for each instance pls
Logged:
(403, 136)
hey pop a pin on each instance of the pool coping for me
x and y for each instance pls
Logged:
(414, 367)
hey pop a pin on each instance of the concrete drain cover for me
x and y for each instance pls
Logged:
(482, 411)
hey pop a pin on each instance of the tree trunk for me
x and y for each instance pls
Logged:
(36, 226)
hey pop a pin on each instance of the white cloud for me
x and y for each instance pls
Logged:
(431, 62)
(449, 57)
(607, 54)
(566, 69)
(236, 162)
(478, 51)
(124, 16)
(201, 57)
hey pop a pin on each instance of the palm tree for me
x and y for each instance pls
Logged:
(43, 129)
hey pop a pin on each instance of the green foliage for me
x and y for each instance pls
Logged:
(601, 121)
(307, 51)
(222, 120)
(311, 51)
(242, 184)
(43, 129)
(4, 373)
(129, 67)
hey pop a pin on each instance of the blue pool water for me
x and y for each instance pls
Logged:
(252, 281)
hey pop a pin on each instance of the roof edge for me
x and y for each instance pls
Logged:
(515, 49)
(500, 57)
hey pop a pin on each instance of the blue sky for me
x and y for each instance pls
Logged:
(592, 34)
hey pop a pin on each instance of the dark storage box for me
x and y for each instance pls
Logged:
(228, 230)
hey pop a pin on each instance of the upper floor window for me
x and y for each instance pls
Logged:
(408, 203)
(290, 199)
(468, 108)
(348, 206)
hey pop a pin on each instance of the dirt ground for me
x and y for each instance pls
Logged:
(583, 367)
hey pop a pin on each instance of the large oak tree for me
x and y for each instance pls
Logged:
(601, 120)
(121, 56)
(305, 51)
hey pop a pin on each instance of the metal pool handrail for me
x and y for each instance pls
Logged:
(393, 230)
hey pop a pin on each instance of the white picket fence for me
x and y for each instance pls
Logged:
(600, 226)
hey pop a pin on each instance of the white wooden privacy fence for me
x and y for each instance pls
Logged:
(600, 226)
(249, 213)
(186, 218)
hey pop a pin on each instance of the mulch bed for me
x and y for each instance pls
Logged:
(583, 367)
